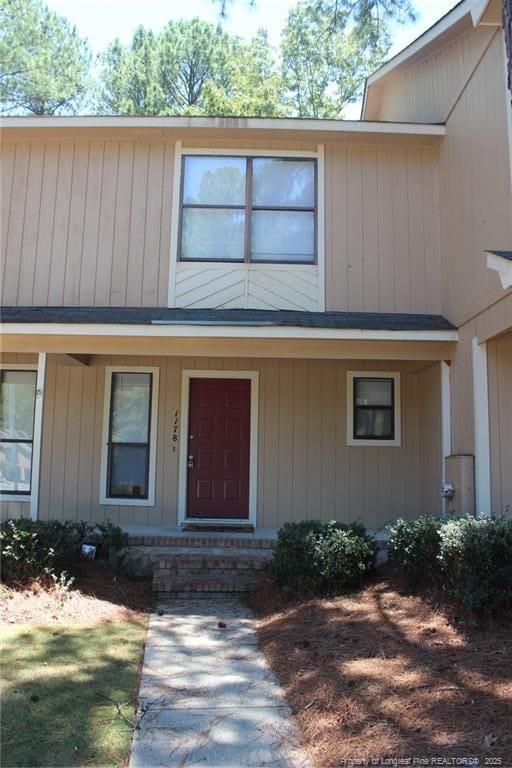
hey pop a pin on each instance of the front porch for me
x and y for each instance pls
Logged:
(305, 459)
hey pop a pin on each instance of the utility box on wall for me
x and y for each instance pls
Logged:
(460, 470)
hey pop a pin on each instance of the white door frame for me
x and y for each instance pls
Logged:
(186, 376)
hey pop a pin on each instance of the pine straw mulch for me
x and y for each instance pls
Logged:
(98, 596)
(384, 675)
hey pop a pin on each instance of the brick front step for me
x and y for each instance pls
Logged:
(184, 570)
(198, 541)
(212, 561)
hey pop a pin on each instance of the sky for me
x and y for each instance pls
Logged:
(101, 21)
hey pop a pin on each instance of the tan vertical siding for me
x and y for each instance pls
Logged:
(306, 468)
(382, 244)
(475, 189)
(88, 223)
(499, 360)
(425, 92)
(429, 399)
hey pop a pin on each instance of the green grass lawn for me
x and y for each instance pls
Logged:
(68, 694)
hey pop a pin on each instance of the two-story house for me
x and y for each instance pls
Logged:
(244, 322)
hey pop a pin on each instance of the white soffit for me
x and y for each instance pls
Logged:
(173, 330)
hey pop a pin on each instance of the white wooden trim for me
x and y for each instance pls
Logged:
(481, 417)
(320, 213)
(175, 220)
(446, 423)
(299, 125)
(104, 499)
(186, 376)
(227, 152)
(427, 37)
(395, 375)
(170, 329)
(502, 266)
(31, 498)
(37, 442)
(477, 13)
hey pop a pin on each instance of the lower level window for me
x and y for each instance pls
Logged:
(130, 426)
(373, 408)
(17, 404)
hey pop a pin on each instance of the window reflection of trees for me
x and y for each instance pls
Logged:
(219, 233)
(17, 403)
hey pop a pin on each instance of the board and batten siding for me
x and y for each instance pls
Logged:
(88, 222)
(305, 468)
(426, 91)
(382, 241)
(499, 365)
(475, 190)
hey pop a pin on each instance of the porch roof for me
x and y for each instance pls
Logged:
(383, 321)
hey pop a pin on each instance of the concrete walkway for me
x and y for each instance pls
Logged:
(207, 696)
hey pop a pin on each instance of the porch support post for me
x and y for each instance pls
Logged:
(38, 435)
(481, 421)
(446, 421)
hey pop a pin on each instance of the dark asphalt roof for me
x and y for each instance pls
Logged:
(148, 315)
(503, 254)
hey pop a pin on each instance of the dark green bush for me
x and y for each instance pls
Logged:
(311, 557)
(32, 549)
(413, 548)
(476, 561)
(469, 558)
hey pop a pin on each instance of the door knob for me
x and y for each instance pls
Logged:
(191, 461)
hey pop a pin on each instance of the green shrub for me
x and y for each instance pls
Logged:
(413, 548)
(311, 557)
(32, 549)
(476, 561)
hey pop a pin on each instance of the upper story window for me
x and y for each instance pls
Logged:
(248, 209)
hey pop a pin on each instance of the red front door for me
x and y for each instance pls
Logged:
(218, 449)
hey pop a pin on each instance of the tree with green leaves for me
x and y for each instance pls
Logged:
(186, 69)
(324, 65)
(254, 86)
(130, 83)
(44, 63)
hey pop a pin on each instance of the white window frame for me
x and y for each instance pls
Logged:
(129, 502)
(317, 155)
(34, 475)
(186, 376)
(395, 376)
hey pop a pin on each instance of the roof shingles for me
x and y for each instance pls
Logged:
(150, 315)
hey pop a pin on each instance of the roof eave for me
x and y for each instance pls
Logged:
(466, 14)
(221, 123)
